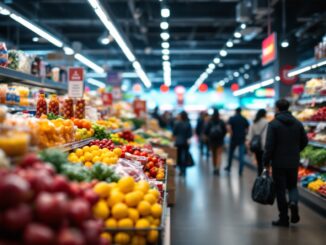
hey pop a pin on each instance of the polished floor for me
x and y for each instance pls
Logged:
(219, 210)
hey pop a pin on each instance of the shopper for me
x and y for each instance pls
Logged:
(215, 132)
(256, 138)
(182, 133)
(286, 137)
(200, 127)
(238, 128)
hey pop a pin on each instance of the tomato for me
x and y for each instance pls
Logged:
(86, 124)
(144, 154)
(150, 165)
(136, 152)
(154, 159)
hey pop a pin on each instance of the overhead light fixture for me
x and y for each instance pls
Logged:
(241, 70)
(165, 45)
(226, 80)
(220, 65)
(96, 82)
(229, 44)
(223, 53)
(165, 36)
(277, 78)
(254, 62)
(68, 51)
(165, 51)
(246, 76)
(217, 60)
(35, 39)
(285, 43)
(105, 41)
(243, 26)
(165, 12)
(237, 34)
(236, 74)
(211, 66)
(89, 63)
(299, 71)
(247, 66)
(164, 25)
(4, 11)
(165, 57)
(37, 30)
(209, 71)
(141, 74)
(222, 83)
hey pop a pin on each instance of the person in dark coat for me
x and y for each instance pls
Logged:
(182, 133)
(286, 137)
(215, 132)
(200, 128)
(238, 127)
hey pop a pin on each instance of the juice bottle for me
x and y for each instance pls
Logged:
(41, 106)
(68, 108)
(80, 109)
(54, 105)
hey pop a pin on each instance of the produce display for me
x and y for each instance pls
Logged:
(315, 86)
(313, 181)
(316, 156)
(319, 115)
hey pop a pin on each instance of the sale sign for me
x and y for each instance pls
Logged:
(139, 107)
(75, 82)
(269, 49)
(107, 99)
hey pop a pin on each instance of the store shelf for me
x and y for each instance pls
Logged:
(9, 75)
(73, 145)
(312, 65)
(17, 108)
(317, 144)
(312, 99)
(313, 199)
(313, 124)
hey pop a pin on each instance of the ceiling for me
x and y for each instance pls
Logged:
(198, 30)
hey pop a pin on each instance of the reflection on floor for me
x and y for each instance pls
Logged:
(219, 210)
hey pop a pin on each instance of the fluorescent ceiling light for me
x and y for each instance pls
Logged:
(68, 51)
(166, 63)
(299, 71)
(217, 60)
(165, 45)
(35, 39)
(165, 57)
(4, 11)
(222, 83)
(37, 30)
(267, 82)
(209, 71)
(141, 74)
(229, 44)
(165, 12)
(285, 44)
(243, 26)
(164, 25)
(165, 36)
(89, 63)
(237, 34)
(246, 76)
(165, 51)
(105, 41)
(277, 78)
(96, 82)
(211, 66)
(223, 53)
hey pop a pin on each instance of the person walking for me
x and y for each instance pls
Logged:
(256, 138)
(286, 137)
(215, 132)
(200, 126)
(182, 133)
(238, 127)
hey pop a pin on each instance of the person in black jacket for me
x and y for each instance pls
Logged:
(182, 133)
(286, 137)
(215, 132)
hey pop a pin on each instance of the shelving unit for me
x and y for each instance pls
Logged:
(312, 124)
(12, 76)
(17, 108)
(312, 99)
(314, 200)
(317, 144)
(73, 145)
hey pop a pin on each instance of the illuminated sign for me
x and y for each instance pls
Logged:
(269, 49)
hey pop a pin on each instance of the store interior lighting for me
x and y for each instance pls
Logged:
(141, 74)
(223, 53)
(237, 34)
(105, 40)
(165, 57)
(89, 63)
(96, 82)
(165, 12)
(68, 51)
(35, 39)
(285, 43)
(165, 45)
(229, 44)
(217, 60)
(243, 26)
(252, 88)
(4, 11)
(164, 25)
(165, 36)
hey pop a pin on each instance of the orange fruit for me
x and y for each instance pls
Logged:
(126, 184)
(144, 208)
(150, 198)
(156, 210)
(120, 211)
(132, 199)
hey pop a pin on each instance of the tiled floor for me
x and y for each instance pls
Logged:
(219, 210)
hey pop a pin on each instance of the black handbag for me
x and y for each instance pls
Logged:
(189, 160)
(263, 190)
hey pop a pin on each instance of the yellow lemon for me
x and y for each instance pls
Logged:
(152, 236)
(126, 184)
(144, 208)
(142, 224)
(88, 156)
(150, 219)
(117, 151)
(116, 196)
(73, 158)
(120, 211)
(86, 148)
(106, 160)
(88, 164)
(111, 223)
(156, 222)
(142, 186)
(114, 160)
(79, 152)
(132, 199)
(101, 210)
(150, 198)
(140, 194)
(96, 153)
(82, 159)
(125, 223)
(107, 236)
(133, 214)
(122, 238)
(94, 148)
(138, 240)
(155, 192)
(96, 159)
(156, 210)
(102, 189)
(105, 150)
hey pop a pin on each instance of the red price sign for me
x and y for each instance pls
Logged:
(75, 82)
(269, 49)
(107, 99)
(284, 75)
(139, 107)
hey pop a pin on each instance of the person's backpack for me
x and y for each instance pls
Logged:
(216, 132)
(256, 142)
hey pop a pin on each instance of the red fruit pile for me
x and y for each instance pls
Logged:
(127, 135)
(105, 143)
(40, 207)
(320, 115)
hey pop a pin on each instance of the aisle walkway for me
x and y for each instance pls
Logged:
(218, 210)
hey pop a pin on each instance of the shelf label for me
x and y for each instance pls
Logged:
(75, 82)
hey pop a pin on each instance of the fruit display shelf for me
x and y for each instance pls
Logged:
(312, 99)
(313, 124)
(12, 76)
(18, 108)
(74, 145)
(316, 201)
(317, 144)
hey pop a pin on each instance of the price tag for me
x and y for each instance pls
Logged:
(75, 82)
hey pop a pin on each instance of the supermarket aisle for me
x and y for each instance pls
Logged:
(218, 210)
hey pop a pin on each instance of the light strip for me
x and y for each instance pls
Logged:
(37, 30)
(141, 74)
(96, 82)
(165, 13)
(89, 63)
(299, 71)
(254, 87)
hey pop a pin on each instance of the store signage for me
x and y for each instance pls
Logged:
(265, 92)
(269, 49)
(107, 99)
(75, 82)
(284, 75)
(140, 107)
(114, 79)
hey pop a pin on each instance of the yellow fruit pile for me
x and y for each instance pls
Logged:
(127, 204)
(88, 155)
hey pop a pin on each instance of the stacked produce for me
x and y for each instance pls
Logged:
(314, 86)
(316, 156)
(305, 114)
(84, 129)
(319, 115)
(114, 123)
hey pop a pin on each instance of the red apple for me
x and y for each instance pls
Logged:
(70, 236)
(17, 218)
(38, 234)
(78, 211)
